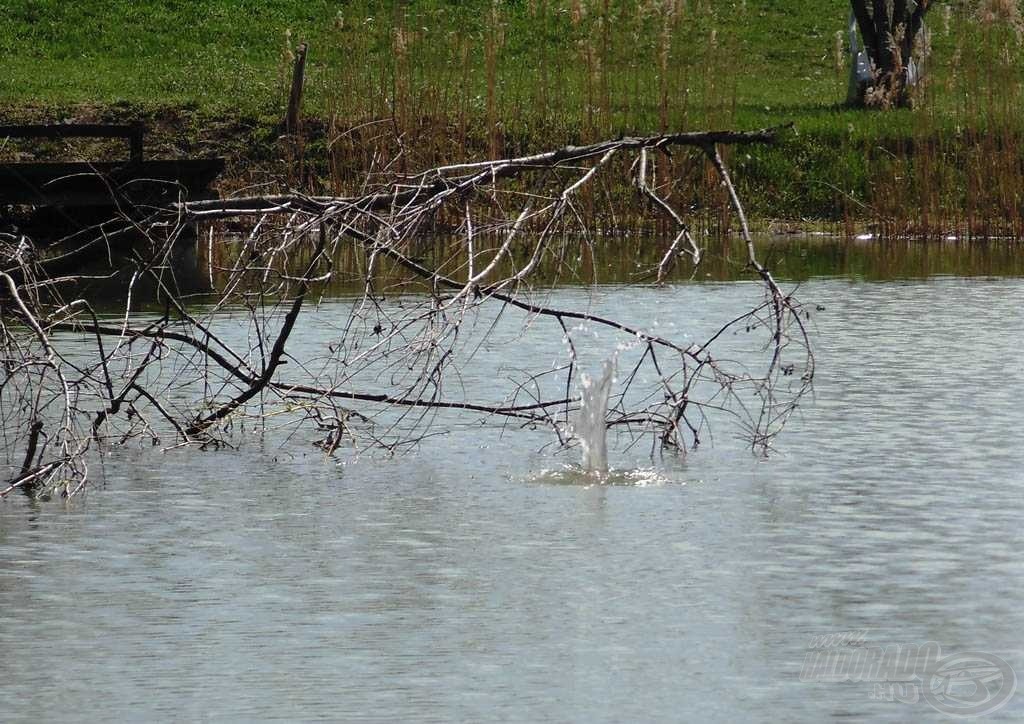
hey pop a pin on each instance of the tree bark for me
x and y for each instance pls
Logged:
(889, 30)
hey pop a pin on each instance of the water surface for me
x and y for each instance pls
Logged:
(474, 579)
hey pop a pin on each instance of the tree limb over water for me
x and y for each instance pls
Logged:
(435, 266)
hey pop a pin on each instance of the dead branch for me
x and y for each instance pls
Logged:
(224, 354)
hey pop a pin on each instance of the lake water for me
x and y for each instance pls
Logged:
(469, 580)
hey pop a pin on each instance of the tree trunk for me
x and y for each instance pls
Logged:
(890, 30)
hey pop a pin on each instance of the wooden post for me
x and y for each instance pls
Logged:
(295, 98)
(135, 141)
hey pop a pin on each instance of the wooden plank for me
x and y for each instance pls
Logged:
(133, 132)
(88, 184)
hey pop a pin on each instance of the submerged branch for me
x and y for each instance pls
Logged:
(229, 355)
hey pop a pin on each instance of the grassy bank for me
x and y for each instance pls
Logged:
(428, 81)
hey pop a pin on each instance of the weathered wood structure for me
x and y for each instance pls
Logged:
(69, 194)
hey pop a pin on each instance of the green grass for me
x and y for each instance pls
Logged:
(213, 54)
(774, 60)
(479, 77)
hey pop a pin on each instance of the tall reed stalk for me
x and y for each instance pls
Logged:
(493, 78)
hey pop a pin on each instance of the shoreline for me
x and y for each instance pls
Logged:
(791, 186)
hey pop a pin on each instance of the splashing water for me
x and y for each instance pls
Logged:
(590, 428)
(572, 475)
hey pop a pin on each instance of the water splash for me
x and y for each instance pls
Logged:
(573, 475)
(590, 428)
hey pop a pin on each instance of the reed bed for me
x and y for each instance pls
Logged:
(412, 92)
(410, 84)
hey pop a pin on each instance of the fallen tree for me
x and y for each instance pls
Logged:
(76, 380)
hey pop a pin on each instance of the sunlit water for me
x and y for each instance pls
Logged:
(481, 578)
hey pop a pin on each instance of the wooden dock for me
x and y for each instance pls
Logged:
(101, 185)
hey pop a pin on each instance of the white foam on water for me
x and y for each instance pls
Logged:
(575, 475)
